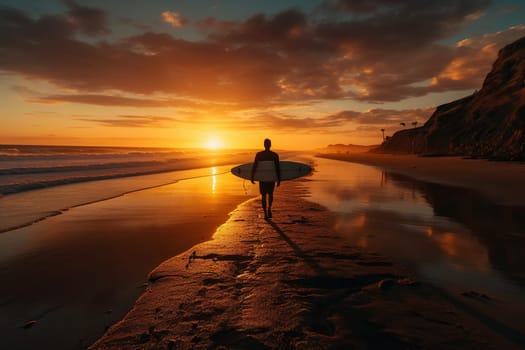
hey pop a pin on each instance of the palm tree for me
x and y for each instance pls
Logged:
(414, 123)
(383, 131)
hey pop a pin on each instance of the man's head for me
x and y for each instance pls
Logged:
(267, 144)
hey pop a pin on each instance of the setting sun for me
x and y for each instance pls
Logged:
(213, 144)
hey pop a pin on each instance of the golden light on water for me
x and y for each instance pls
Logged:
(213, 180)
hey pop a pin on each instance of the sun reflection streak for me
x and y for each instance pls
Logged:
(213, 180)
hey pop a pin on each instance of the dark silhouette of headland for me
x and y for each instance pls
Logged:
(488, 124)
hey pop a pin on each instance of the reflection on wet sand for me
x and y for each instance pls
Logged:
(499, 229)
(452, 236)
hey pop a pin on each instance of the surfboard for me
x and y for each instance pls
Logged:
(266, 171)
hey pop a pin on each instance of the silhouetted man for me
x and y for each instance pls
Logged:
(266, 188)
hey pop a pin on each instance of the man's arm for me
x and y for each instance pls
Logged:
(278, 169)
(254, 167)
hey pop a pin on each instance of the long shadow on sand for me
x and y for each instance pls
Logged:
(323, 279)
(298, 251)
(326, 294)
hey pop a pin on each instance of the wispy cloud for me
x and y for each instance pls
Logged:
(112, 100)
(132, 121)
(341, 121)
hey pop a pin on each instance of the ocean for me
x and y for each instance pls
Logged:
(77, 273)
(41, 181)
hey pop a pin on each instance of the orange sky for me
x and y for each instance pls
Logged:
(305, 74)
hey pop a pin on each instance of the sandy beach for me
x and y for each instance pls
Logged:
(75, 274)
(293, 283)
(329, 271)
(501, 181)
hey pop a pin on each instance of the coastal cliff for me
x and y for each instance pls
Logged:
(488, 124)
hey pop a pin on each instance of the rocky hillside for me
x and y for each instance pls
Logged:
(490, 123)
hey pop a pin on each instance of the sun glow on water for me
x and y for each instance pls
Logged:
(213, 180)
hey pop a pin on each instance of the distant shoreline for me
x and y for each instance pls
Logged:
(500, 181)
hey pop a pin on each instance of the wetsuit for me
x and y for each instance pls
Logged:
(267, 155)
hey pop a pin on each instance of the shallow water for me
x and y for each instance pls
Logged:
(452, 237)
(81, 271)
(22, 209)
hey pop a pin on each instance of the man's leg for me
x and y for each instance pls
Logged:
(270, 201)
(263, 202)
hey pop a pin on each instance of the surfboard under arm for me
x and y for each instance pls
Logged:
(266, 172)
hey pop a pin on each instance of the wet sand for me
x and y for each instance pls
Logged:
(500, 181)
(79, 272)
(294, 283)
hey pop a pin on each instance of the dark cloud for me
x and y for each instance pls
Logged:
(386, 55)
(405, 7)
(211, 24)
(18, 29)
(89, 20)
(132, 121)
(369, 51)
(16, 25)
(398, 25)
(285, 28)
(109, 100)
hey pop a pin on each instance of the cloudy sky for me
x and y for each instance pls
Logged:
(198, 73)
